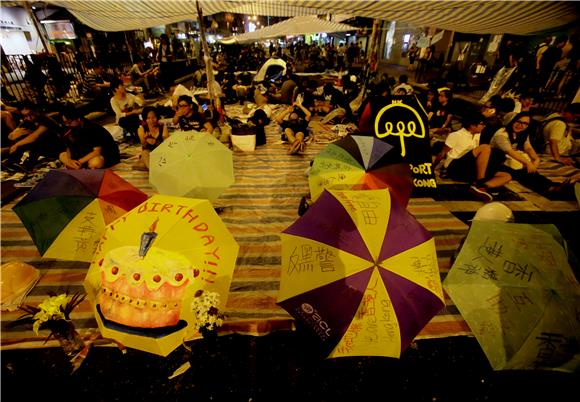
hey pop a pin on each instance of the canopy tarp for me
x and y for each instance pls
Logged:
(301, 25)
(471, 16)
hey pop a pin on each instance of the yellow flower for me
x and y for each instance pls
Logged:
(51, 308)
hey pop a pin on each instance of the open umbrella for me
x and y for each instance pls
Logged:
(361, 162)
(513, 285)
(360, 274)
(191, 164)
(149, 265)
(67, 211)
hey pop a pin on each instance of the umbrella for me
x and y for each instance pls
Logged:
(513, 285)
(67, 211)
(361, 162)
(149, 265)
(191, 164)
(360, 274)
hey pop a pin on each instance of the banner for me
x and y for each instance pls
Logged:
(501, 77)
(437, 37)
(423, 42)
(402, 122)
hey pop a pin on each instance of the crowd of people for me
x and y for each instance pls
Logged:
(486, 148)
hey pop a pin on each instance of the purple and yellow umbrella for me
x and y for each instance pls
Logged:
(360, 274)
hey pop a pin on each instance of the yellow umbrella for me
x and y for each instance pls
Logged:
(149, 265)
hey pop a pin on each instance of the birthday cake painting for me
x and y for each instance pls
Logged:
(148, 266)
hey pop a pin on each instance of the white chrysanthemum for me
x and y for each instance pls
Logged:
(205, 308)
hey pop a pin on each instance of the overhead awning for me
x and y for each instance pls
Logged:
(126, 15)
(471, 16)
(303, 25)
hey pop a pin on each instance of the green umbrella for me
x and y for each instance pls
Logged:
(191, 164)
(513, 285)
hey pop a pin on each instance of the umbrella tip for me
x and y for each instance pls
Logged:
(147, 239)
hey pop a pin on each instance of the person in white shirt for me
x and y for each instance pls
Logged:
(140, 76)
(558, 136)
(403, 88)
(127, 108)
(467, 160)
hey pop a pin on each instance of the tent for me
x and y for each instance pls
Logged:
(471, 16)
(272, 64)
(301, 25)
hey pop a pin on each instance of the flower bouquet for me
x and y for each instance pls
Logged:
(53, 313)
(207, 316)
(207, 321)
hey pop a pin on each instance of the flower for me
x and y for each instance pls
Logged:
(207, 316)
(52, 312)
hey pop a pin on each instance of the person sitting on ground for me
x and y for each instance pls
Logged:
(94, 86)
(304, 94)
(522, 161)
(294, 121)
(430, 103)
(403, 88)
(284, 95)
(147, 77)
(227, 83)
(522, 103)
(467, 160)
(10, 118)
(558, 138)
(177, 91)
(379, 96)
(493, 110)
(88, 145)
(127, 108)
(189, 118)
(335, 104)
(151, 134)
(260, 119)
(242, 86)
(37, 134)
(441, 121)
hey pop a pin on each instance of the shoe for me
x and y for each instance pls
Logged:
(304, 205)
(480, 194)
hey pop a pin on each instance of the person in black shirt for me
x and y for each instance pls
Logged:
(88, 145)
(335, 104)
(37, 134)
(294, 123)
(189, 118)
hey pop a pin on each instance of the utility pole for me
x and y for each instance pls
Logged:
(372, 55)
(208, 64)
